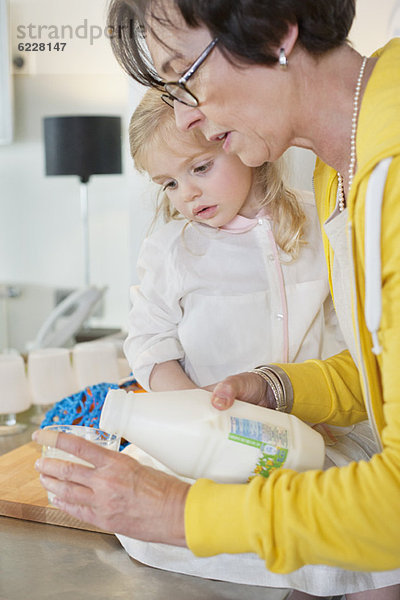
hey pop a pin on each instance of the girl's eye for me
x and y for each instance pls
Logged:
(204, 167)
(170, 185)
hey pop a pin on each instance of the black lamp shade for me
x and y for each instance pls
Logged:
(83, 146)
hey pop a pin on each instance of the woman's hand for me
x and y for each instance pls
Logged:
(248, 387)
(118, 495)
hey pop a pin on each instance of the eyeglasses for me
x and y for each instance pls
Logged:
(177, 90)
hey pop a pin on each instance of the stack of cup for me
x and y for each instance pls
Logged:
(14, 393)
(51, 378)
(95, 362)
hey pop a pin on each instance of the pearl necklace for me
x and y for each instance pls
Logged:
(352, 164)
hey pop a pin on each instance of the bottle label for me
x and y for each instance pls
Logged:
(272, 441)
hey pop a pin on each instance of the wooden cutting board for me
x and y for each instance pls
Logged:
(21, 494)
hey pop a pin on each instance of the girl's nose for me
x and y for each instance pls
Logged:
(187, 117)
(190, 191)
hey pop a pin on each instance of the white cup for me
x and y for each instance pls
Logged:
(95, 362)
(124, 369)
(51, 376)
(14, 392)
(110, 441)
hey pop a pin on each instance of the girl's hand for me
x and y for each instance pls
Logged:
(118, 495)
(248, 387)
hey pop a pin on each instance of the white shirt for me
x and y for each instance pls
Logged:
(335, 229)
(212, 299)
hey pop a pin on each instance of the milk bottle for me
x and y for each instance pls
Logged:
(186, 433)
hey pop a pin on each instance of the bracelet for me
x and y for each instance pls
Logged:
(274, 384)
(276, 378)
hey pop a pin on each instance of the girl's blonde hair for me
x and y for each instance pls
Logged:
(153, 124)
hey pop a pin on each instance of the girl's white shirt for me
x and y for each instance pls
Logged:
(212, 299)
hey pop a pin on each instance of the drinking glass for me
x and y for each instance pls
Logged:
(51, 378)
(111, 441)
(14, 393)
(95, 362)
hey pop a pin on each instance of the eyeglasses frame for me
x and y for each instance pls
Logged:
(182, 81)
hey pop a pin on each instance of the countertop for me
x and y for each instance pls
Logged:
(47, 562)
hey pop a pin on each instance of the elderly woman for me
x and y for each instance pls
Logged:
(264, 76)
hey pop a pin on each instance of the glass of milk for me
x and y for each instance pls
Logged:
(93, 434)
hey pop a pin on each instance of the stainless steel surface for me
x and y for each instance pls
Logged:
(47, 562)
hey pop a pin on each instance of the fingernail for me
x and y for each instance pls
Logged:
(38, 464)
(220, 402)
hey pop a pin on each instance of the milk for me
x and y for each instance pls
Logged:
(51, 452)
(186, 433)
(92, 434)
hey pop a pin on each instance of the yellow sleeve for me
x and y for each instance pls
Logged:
(292, 519)
(327, 391)
(348, 516)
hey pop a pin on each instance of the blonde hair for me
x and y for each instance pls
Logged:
(153, 124)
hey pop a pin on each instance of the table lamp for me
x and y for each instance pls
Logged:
(83, 146)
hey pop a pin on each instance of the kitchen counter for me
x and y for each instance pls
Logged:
(47, 562)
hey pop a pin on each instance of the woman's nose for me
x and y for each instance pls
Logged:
(187, 117)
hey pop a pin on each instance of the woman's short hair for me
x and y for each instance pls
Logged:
(248, 31)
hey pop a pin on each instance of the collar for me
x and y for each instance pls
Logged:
(241, 224)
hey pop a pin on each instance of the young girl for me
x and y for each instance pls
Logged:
(235, 278)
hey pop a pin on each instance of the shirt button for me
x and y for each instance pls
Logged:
(260, 221)
(279, 316)
(271, 257)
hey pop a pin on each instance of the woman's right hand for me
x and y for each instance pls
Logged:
(248, 387)
(118, 494)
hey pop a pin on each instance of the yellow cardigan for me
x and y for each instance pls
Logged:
(348, 516)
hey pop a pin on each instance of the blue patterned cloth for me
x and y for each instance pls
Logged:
(82, 408)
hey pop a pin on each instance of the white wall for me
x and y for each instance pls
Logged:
(375, 23)
(40, 223)
(40, 234)
(5, 79)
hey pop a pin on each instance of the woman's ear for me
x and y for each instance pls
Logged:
(290, 39)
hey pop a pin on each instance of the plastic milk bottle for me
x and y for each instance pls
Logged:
(186, 433)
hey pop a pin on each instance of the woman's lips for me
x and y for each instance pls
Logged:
(225, 137)
(205, 212)
(227, 140)
(218, 137)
